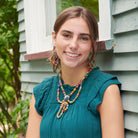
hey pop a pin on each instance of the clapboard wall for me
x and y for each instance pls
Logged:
(122, 61)
(125, 22)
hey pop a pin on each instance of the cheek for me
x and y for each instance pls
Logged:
(87, 49)
(59, 49)
(88, 52)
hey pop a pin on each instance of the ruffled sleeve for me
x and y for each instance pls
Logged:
(41, 92)
(102, 82)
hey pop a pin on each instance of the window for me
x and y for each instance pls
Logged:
(90, 4)
(40, 16)
(39, 19)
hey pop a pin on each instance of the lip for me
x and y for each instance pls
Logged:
(70, 54)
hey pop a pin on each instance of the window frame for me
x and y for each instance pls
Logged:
(39, 23)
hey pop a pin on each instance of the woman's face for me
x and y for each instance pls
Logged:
(73, 43)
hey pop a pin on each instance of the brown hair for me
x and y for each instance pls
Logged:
(74, 12)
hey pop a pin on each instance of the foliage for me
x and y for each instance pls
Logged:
(22, 109)
(90, 4)
(10, 84)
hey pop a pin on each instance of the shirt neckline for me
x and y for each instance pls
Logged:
(67, 86)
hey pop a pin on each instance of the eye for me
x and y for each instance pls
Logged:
(65, 35)
(84, 38)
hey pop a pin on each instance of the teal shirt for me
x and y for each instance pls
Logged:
(81, 120)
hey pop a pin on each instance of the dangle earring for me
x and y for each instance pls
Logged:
(55, 59)
(91, 62)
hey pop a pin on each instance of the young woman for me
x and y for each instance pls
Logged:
(81, 101)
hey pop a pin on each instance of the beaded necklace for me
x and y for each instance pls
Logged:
(65, 102)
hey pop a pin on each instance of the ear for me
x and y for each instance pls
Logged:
(53, 38)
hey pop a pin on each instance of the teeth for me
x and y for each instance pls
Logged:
(72, 55)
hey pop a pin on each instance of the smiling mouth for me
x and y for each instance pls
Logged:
(72, 55)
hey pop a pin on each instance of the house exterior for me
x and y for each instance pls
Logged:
(121, 60)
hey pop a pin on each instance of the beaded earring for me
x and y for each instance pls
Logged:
(91, 61)
(55, 59)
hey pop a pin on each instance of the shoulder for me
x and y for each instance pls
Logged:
(104, 80)
(101, 78)
(43, 87)
(103, 75)
(44, 84)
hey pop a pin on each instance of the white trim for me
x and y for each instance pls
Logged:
(104, 20)
(38, 24)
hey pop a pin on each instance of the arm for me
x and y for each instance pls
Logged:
(111, 113)
(34, 121)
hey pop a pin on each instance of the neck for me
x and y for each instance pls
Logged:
(72, 76)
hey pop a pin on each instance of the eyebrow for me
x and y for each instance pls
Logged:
(72, 33)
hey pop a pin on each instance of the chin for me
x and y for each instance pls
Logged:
(73, 65)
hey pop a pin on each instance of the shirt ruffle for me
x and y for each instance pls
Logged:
(102, 81)
(41, 92)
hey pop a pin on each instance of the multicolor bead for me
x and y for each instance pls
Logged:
(65, 102)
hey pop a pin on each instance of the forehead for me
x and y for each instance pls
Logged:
(75, 25)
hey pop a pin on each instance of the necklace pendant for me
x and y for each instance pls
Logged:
(63, 107)
(66, 98)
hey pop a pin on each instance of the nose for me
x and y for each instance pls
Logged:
(74, 43)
